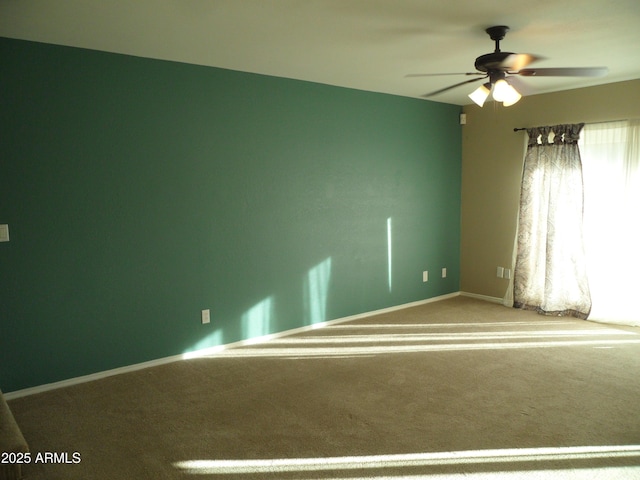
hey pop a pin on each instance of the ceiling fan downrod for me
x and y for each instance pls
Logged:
(494, 61)
(497, 33)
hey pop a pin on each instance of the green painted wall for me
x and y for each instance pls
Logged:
(139, 192)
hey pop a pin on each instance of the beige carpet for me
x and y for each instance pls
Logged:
(455, 387)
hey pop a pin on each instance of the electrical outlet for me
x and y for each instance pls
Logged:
(206, 316)
(425, 276)
(4, 233)
(444, 273)
(507, 273)
(500, 272)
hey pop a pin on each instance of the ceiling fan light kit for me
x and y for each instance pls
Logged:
(502, 92)
(512, 97)
(500, 67)
(480, 94)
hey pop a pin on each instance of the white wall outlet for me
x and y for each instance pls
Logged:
(425, 276)
(206, 316)
(500, 272)
(444, 273)
(507, 273)
(4, 233)
(463, 119)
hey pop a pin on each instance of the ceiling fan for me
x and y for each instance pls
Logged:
(501, 69)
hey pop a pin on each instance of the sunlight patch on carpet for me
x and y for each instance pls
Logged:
(472, 457)
(301, 352)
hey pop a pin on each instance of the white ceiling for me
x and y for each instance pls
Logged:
(363, 44)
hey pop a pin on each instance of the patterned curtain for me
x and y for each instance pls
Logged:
(550, 272)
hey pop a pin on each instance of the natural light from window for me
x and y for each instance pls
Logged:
(366, 339)
(611, 168)
(256, 321)
(510, 458)
(316, 291)
(389, 258)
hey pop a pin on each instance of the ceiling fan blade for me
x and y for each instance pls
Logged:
(517, 61)
(409, 75)
(517, 83)
(564, 72)
(452, 86)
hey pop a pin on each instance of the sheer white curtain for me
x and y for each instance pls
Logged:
(550, 271)
(611, 169)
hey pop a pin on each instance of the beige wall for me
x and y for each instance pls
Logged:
(492, 156)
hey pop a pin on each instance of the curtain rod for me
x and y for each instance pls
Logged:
(586, 123)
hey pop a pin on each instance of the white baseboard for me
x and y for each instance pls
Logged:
(482, 297)
(212, 350)
(88, 378)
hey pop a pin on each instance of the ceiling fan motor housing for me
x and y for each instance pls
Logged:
(492, 61)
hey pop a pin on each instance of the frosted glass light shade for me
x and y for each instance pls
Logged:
(505, 93)
(479, 95)
(511, 97)
(500, 90)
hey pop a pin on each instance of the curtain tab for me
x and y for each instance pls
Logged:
(572, 132)
(556, 134)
